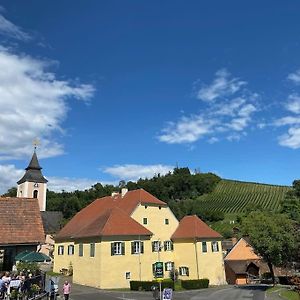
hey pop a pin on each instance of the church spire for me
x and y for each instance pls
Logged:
(33, 184)
(33, 171)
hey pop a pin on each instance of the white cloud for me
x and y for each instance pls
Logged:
(218, 115)
(11, 30)
(69, 184)
(291, 139)
(213, 140)
(293, 103)
(9, 175)
(289, 120)
(295, 77)
(223, 85)
(33, 104)
(229, 108)
(133, 172)
(187, 130)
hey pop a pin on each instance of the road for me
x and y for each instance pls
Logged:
(226, 293)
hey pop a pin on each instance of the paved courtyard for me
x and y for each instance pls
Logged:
(224, 293)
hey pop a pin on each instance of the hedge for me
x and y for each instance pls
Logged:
(195, 284)
(146, 285)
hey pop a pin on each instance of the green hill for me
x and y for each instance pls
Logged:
(230, 196)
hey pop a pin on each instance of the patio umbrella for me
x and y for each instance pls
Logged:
(35, 257)
(19, 256)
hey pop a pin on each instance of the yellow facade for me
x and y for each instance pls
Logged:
(115, 271)
(209, 264)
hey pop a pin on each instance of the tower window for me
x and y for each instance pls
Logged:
(35, 194)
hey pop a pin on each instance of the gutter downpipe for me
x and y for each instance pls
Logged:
(195, 245)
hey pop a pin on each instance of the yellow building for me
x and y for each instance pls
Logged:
(119, 238)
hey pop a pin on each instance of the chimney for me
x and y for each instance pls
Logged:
(123, 192)
(114, 194)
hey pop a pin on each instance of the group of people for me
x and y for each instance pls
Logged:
(8, 281)
(22, 282)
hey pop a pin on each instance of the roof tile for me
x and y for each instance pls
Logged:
(194, 227)
(20, 221)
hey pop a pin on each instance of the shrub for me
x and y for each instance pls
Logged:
(195, 284)
(146, 285)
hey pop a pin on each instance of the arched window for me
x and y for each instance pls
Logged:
(35, 194)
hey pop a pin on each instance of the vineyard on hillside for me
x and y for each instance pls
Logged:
(231, 196)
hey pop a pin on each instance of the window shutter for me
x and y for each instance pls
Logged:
(180, 271)
(172, 246)
(165, 246)
(166, 267)
(132, 247)
(153, 248)
(123, 248)
(187, 271)
(112, 249)
(153, 269)
(142, 247)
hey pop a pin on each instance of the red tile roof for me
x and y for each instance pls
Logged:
(110, 216)
(193, 227)
(20, 221)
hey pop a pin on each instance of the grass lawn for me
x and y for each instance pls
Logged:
(273, 289)
(289, 295)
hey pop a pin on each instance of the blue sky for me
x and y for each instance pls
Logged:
(122, 89)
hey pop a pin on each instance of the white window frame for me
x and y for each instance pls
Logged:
(137, 247)
(183, 271)
(214, 246)
(156, 246)
(60, 250)
(168, 245)
(117, 248)
(169, 265)
(70, 249)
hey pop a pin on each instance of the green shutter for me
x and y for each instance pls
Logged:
(187, 271)
(132, 247)
(172, 246)
(153, 269)
(142, 247)
(112, 249)
(152, 246)
(165, 246)
(123, 248)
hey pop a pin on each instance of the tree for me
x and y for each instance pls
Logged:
(273, 237)
(12, 192)
(291, 204)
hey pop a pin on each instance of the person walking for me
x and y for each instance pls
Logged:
(66, 290)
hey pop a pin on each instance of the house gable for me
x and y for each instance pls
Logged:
(242, 250)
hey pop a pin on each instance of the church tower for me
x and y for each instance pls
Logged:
(33, 184)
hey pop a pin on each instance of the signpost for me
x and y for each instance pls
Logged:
(159, 274)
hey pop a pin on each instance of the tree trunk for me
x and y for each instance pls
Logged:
(272, 272)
